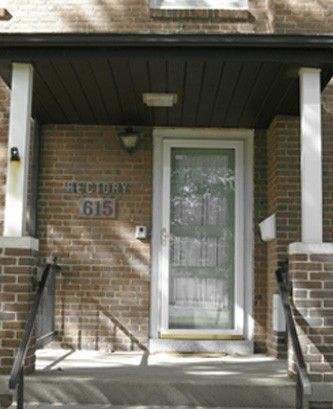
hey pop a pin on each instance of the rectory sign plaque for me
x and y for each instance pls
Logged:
(97, 207)
(91, 187)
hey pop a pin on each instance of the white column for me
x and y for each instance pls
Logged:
(311, 156)
(19, 137)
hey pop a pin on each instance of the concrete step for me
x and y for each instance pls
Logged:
(85, 406)
(159, 381)
(101, 391)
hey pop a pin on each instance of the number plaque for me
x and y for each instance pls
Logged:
(98, 208)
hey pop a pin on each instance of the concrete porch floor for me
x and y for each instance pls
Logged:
(89, 379)
(140, 367)
(70, 379)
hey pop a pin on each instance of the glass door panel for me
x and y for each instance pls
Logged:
(202, 239)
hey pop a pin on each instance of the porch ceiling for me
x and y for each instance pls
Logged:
(221, 81)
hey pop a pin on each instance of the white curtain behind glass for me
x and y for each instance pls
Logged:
(202, 238)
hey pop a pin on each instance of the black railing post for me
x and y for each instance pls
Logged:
(299, 392)
(20, 389)
(303, 384)
(16, 379)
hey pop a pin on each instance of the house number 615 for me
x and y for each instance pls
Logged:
(98, 208)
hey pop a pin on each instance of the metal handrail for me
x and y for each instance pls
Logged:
(303, 387)
(16, 379)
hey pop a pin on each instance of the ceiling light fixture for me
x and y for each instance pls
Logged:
(163, 100)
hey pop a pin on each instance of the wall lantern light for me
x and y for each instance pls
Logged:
(130, 139)
(14, 154)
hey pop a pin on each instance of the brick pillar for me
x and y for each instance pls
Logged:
(260, 256)
(283, 199)
(16, 295)
(311, 272)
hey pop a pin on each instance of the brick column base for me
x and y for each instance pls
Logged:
(311, 272)
(18, 259)
(5, 400)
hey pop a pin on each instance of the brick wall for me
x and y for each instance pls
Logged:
(126, 16)
(260, 254)
(281, 16)
(5, 400)
(283, 198)
(312, 277)
(273, 342)
(16, 295)
(105, 279)
(302, 16)
(103, 294)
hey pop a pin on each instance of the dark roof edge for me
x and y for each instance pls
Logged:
(98, 40)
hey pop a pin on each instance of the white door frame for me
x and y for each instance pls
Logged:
(203, 138)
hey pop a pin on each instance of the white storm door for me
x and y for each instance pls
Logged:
(202, 237)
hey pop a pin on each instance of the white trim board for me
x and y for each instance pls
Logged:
(213, 346)
(311, 156)
(232, 135)
(199, 4)
(19, 243)
(18, 137)
(310, 248)
(208, 133)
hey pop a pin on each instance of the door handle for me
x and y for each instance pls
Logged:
(164, 236)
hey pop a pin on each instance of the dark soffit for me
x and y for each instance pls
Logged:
(221, 80)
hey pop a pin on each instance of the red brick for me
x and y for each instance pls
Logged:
(18, 252)
(7, 261)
